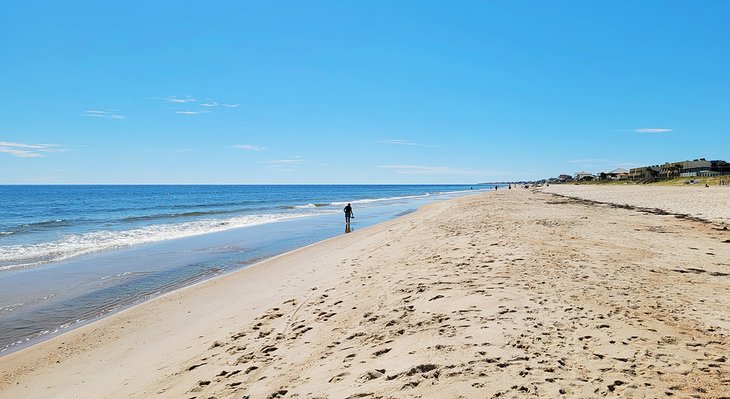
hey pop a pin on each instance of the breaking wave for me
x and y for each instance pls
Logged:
(15, 256)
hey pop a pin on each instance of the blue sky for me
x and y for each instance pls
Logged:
(357, 92)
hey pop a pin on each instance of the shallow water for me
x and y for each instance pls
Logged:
(44, 299)
(41, 224)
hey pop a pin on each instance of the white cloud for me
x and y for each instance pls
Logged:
(437, 170)
(249, 147)
(191, 112)
(20, 153)
(293, 161)
(648, 130)
(206, 105)
(22, 150)
(103, 113)
(30, 146)
(602, 162)
(653, 130)
(175, 99)
(283, 165)
(403, 142)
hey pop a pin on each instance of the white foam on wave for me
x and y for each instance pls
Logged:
(17, 256)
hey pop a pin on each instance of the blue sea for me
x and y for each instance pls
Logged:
(72, 254)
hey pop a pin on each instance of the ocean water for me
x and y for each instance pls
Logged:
(72, 254)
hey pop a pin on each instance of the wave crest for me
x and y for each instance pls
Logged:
(16, 256)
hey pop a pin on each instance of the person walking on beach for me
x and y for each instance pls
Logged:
(348, 215)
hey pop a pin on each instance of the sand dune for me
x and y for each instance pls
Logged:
(507, 295)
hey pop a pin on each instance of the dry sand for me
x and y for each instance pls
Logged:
(512, 294)
(708, 203)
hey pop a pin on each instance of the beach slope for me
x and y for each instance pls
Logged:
(516, 293)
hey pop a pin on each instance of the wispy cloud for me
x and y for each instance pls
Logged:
(292, 161)
(103, 113)
(175, 99)
(209, 104)
(403, 142)
(437, 170)
(648, 130)
(231, 105)
(23, 150)
(602, 164)
(283, 165)
(653, 130)
(20, 153)
(249, 147)
(191, 112)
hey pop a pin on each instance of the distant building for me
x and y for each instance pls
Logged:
(644, 172)
(670, 169)
(617, 174)
(698, 167)
(694, 168)
(720, 167)
(584, 176)
(702, 167)
(565, 178)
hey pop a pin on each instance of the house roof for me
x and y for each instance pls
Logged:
(618, 171)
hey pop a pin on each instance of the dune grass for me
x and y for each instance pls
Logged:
(682, 181)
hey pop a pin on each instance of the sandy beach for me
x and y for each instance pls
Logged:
(707, 203)
(511, 294)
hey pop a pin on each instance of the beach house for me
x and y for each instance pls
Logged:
(698, 167)
(617, 174)
(721, 167)
(695, 168)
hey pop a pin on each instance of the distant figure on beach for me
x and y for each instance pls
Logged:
(348, 215)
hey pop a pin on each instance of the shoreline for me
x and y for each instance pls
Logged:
(528, 295)
(255, 263)
(20, 363)
(168, 265)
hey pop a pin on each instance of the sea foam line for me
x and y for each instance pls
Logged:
(18, 256)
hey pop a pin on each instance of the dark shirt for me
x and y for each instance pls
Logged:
(348, 210)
